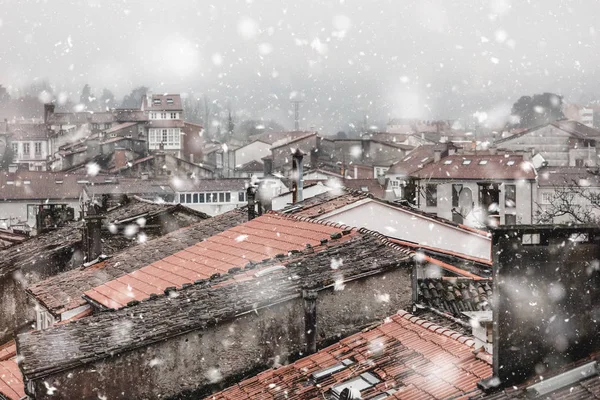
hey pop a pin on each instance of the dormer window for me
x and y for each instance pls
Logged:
(169, 100)
(156, 101)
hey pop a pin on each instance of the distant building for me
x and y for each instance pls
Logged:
(165, 122)
(586, 117)
(30, 144)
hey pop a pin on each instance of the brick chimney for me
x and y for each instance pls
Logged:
(297, 176)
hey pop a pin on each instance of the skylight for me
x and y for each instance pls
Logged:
(360, 383)
(483, 162)
(466, 162)
(510, 162)
(156, 101)
(327, 372)
(425, 159)
(448, 162)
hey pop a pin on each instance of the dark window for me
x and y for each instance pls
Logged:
(510, 196)
(431, 195)
(209, 197)
(182, 198)
(228, 197)
(510, 219)
(201, 198)
(195, 198)
(221, 197)
(579, 162)
(188, 198)
(241, 196)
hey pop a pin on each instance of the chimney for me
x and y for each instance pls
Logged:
(92, 229)
(48, 111)
(267, 165)
(251, 197)
(493, 150)
(481, 324)
(310, 320)
(437, 155)
(297, 176)
(120, 157)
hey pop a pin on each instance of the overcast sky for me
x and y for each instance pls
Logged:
(397, 58)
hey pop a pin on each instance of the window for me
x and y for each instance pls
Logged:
(510, 219)
(201, 198)
(152, 115)
(195, 198)
(228, 197)
(95, 126)
(15, 147)
(165, 136)
(456, 189)
(431, 195)
(26, 149)
(241, 197)
(156, 101)
(221, 197)
(173, 115)
(360, 383)
(483, 162)
(219, 160)
(169, 100)
(579, 162)
(547, 198)
(107, 126)
(163, 115)
(209, 197)
(510, 196)
(466, 162)
(188, 198)
(38, 148)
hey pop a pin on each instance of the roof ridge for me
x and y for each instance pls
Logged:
(437, 329)
(311, 220)
(387, 242)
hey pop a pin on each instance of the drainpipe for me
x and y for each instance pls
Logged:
(310, 320)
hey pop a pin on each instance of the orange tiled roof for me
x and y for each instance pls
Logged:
(11, 380)
(407, 354)
(262, 238)
(8, 350)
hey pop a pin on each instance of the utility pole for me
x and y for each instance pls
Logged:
(296, 104)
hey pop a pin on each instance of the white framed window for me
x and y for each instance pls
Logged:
(26, 149)
(15, 147)
(173, 115)
(163, 115)
(38, 148)
(547, 197)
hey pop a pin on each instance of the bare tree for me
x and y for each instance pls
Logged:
(576, 200)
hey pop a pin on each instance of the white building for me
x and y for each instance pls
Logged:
(30, 146)
(165, 122)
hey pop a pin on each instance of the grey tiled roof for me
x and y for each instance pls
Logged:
(455, 295)
(44, 247)
(198, 306)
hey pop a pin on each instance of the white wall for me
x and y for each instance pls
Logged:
(17, 210)
(286, 198)
(404, 225)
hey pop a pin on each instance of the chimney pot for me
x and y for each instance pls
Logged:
(297, 176)
(92, 233)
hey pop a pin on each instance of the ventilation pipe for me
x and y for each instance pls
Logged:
(297, 176)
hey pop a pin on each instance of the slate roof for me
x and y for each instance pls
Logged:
(102, 117)
(199, 306)
(150, 104)
(125, 115)
(28, 132)
(118, 127)
(251, 166)
(141, 187)
(291, 137)
(574, 128)
(409, 356)
(455, 295)
(478, 166)
(38, 185)
(63, 291)
(413, 161)
(79, 118)
(568, 176)
(44, 246)
(370, 186)
(253, 241)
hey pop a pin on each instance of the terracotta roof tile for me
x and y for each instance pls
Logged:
(264, 237)
(401, 353)
(11, 380)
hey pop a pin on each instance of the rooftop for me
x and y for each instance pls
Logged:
(478, 166)
(568, 176)
(46, 245)
(64, 291)
(414, 161)
(162, 102)
(272, 137)
(38, 185)
(204, 303)
(574, 128)
(292, 137)
(261, 238)
(406, 357)
(251, 166)
(28, 131)
(455, 295)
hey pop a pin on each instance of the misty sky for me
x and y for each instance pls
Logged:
(428, 59)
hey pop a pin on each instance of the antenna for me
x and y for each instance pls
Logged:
(296, 104)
